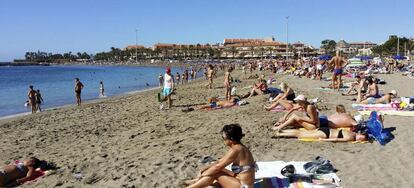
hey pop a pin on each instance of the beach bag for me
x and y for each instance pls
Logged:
(375, 129)
(319, 166)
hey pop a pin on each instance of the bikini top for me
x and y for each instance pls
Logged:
(20, 166)
(244, 168)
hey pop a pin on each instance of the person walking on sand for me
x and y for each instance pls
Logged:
(101, 89)
(339, 63)
(78, 89)
(32, 98)
(168, 87)
(39, 100)
(210, 73)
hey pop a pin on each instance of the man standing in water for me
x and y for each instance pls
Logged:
(78, 89)
(32, 99)
(339, 63)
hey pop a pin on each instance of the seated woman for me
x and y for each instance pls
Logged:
(284, 99)
(372, 91)
(324, 134)
(386, 99)
(341, 118)
(310, 122)
(258, 89)
(215, 103)
(16, 174)
(358, 84)
(243, 165)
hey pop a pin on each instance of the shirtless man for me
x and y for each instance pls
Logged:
(227, 83)
(339, 63)
(32, 99)
(78, 89)
(210, 73)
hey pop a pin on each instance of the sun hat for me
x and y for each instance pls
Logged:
(300, 98)
(393, 92)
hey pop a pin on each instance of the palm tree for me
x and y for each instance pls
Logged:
(233, 51)
(270, 49)
(252, 51)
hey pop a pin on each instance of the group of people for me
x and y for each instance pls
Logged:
(34, 99)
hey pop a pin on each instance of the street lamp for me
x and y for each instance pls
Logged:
(136, 45)
(287, 38)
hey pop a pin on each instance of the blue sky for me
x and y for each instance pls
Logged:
(93, 26)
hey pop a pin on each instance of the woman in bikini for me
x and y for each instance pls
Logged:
(386, 99)
(258, 89)
(284, 99)
(243, 168)
(324, 134)
(16, 174)
(310, 122)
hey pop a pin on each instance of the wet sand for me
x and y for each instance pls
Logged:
(129, 142)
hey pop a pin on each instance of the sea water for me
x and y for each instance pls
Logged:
(56, 83)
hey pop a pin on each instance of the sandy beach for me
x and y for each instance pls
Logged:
(128, 141)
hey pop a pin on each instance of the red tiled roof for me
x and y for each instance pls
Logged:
(134, 47)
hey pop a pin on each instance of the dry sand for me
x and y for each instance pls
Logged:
(128, 142)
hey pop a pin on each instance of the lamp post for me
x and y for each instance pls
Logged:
(287, 38)
(136, 45)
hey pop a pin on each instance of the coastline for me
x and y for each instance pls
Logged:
(128, 141)
(89, 101)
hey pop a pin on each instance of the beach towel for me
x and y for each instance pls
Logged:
(269, 175)
(371, 107)
(317, 140)
(391, 113)
(330, 89)
(278, 109)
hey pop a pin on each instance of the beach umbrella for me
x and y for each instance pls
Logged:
(325, 57)
(365, 58)
(398, 57)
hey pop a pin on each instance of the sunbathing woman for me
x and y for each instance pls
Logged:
(324, 134)
(341, 118)
(243, 165)
(357, 85)
(284, 99)
(258, 89)
(310, 122)
(372, 88)
(16, 174)
(386, 99)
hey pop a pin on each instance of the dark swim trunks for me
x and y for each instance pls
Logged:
(337, 71)
(325, 130)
